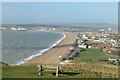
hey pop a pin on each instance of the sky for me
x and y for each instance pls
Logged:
(59, 12)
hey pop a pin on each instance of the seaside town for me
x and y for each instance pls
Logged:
(90, 49)
(106, 40)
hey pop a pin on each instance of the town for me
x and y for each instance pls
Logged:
(105, 40)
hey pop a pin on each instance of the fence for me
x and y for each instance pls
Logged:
(54, 68)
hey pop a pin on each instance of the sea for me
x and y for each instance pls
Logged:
(21, 46)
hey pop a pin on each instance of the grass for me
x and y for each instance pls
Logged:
(95, 70)
(20, 71)
(90, 55)
(32, 72)
(92, 61)
(73, 71)
(83, 69)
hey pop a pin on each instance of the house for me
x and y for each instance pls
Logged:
(84, 45)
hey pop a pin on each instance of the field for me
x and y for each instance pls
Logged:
(90, 55)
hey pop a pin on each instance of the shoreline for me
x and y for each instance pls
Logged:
(51, 55)
(60, 49)
(41, 52)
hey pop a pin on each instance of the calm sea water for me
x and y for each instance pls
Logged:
(20, 46)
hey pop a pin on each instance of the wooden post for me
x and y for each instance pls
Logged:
(40, 70)
(57, 71)
(60, 68)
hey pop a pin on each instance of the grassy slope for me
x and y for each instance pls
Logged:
(21, 72)
(87, 70)
(32, 72)
(82, 70)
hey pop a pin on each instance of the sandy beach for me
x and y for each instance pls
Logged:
(52, 56)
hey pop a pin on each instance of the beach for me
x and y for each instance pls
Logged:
(52, 56)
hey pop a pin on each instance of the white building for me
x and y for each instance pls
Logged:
(84, 46)
(13, 28)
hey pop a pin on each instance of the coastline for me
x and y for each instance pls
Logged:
(51, 54)
(59, 49)
(41, 52)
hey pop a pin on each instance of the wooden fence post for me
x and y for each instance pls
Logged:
(40, 70)
(57, 71)
(60, 69)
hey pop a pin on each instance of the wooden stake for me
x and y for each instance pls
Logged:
(57, 71)
(40, 70)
